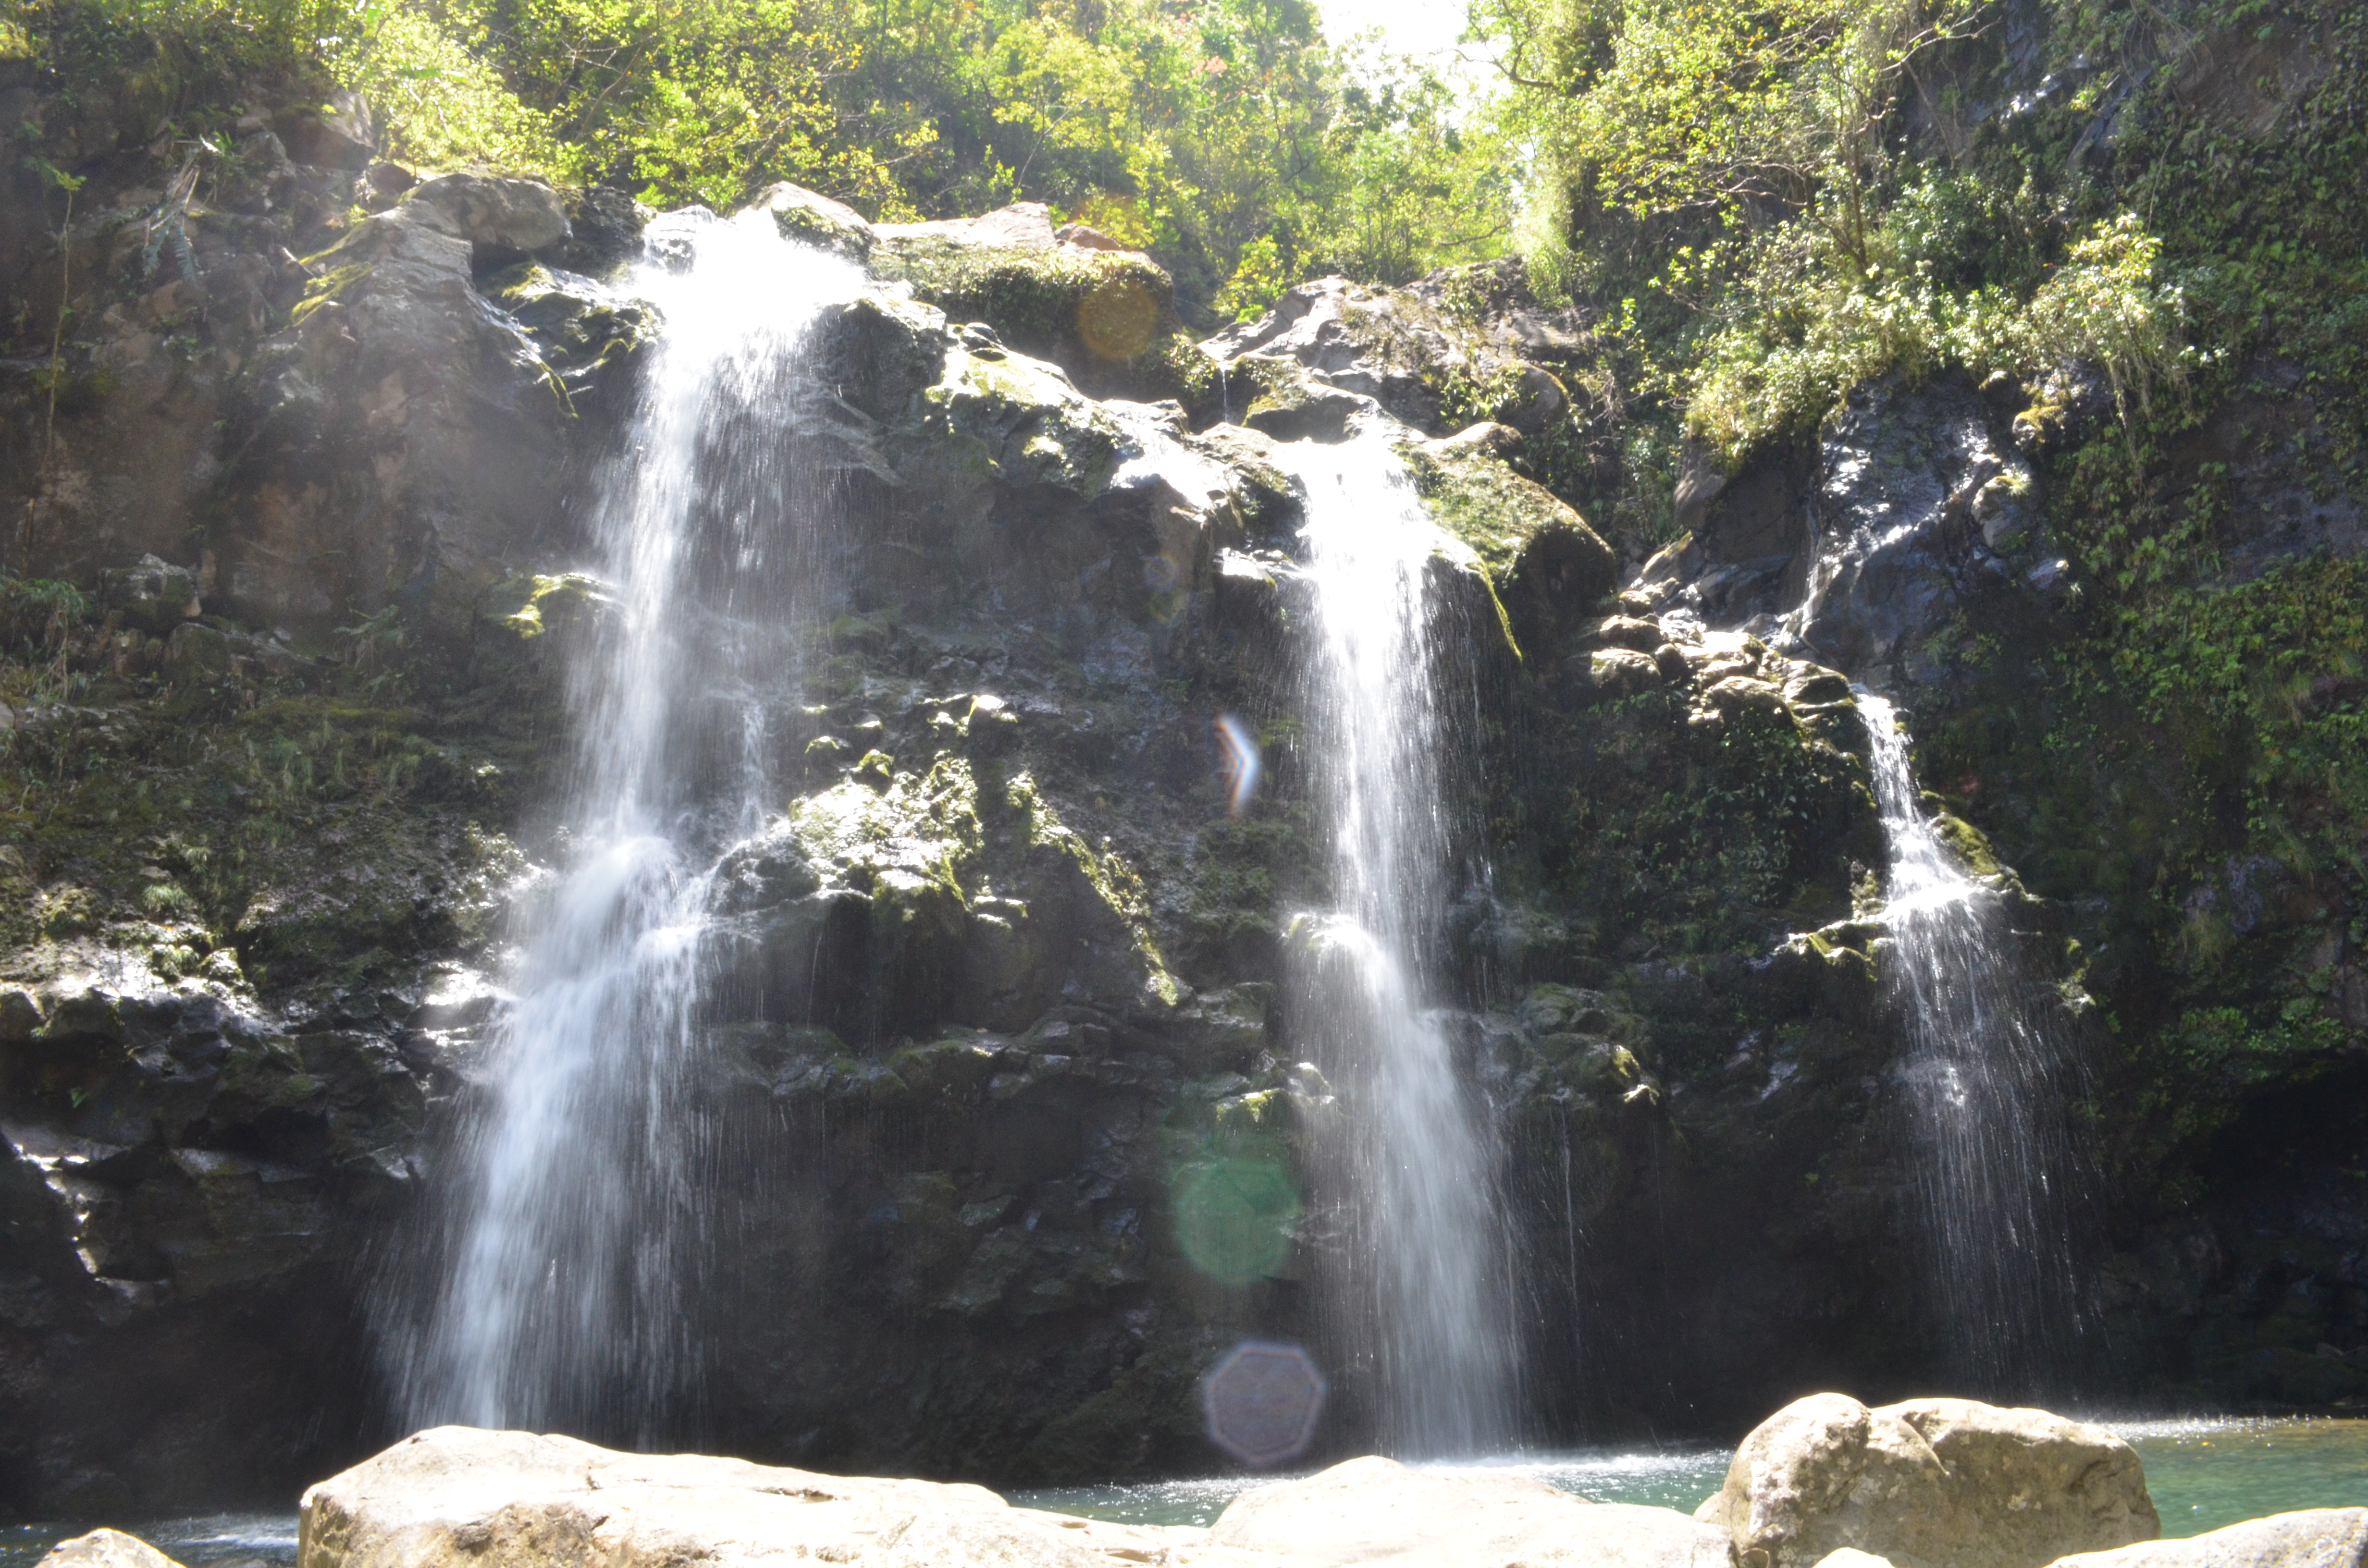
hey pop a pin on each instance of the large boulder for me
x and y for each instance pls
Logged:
(501, 218)
(1464, 342)
(1377, 1510)
(2312, 1538)
(1106, 317)
(814, 218)
(456, 1495)
(1930, 1483)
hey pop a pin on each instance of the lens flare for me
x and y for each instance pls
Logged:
(1242, 762)
(1234, 1216)
(1263, 1401)
(1119, 317)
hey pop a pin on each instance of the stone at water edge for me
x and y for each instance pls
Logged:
(2312, 1538)
(1930, 1483)
(105, 1549)
(1377, 1510)
(459, 1497)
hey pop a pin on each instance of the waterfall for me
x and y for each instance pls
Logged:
(1982, 1074)
(568, 1252)
(1412, 1160)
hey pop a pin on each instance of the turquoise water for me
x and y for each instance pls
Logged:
(2203, 1474)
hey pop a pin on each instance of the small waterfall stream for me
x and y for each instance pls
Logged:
(571, 1245)
(1413, 1156)
(1982, 1070)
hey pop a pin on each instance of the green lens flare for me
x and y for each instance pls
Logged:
(1234, 1217)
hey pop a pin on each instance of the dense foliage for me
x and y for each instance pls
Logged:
(1228, 137)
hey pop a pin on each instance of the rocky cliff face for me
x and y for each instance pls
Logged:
(995, 1024)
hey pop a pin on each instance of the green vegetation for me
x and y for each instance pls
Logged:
(1767, 203)
(1227, 137)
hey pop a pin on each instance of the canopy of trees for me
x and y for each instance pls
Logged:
(1229, 137)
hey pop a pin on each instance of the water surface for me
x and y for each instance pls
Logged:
(2203, 1474)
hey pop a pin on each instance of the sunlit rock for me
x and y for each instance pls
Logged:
(501, 218)
(105, 1549)
(456, 1495)
(1930, 1483)
(2311, 1537)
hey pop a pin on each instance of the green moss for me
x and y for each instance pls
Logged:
(1260, 386)
(1034, 427)
(1116, 883)
(1480, 501)
(328, 286)
(1968, 844)
(886, 828)
(529, 605)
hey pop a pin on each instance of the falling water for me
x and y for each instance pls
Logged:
(1414, 1157)
(569, 1249)
(1982, 1071)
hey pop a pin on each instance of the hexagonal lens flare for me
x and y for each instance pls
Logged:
(1263, 1401)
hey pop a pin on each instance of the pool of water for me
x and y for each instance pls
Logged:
(2203, 1474)
(1678, 1478)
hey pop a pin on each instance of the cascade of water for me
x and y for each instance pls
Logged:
(569, 1246)
(1982, 1073)
(1414, 1157)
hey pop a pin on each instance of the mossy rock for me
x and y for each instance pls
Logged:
(1038, 431)
(1106, 317)
(591, 341)
(530, 604)
(1969, 844)
(811, 218)
(1550, 570)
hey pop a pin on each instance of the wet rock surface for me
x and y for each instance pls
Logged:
(1914, 503)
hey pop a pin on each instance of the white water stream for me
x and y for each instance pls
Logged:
(1981, 1070)
(571, 1243)
(1414, 1157)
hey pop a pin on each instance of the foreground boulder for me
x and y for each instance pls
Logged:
(1377, 1510)
(2313, 1538)
(105, 1549)
(456, 1495)
(1930, 1483)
